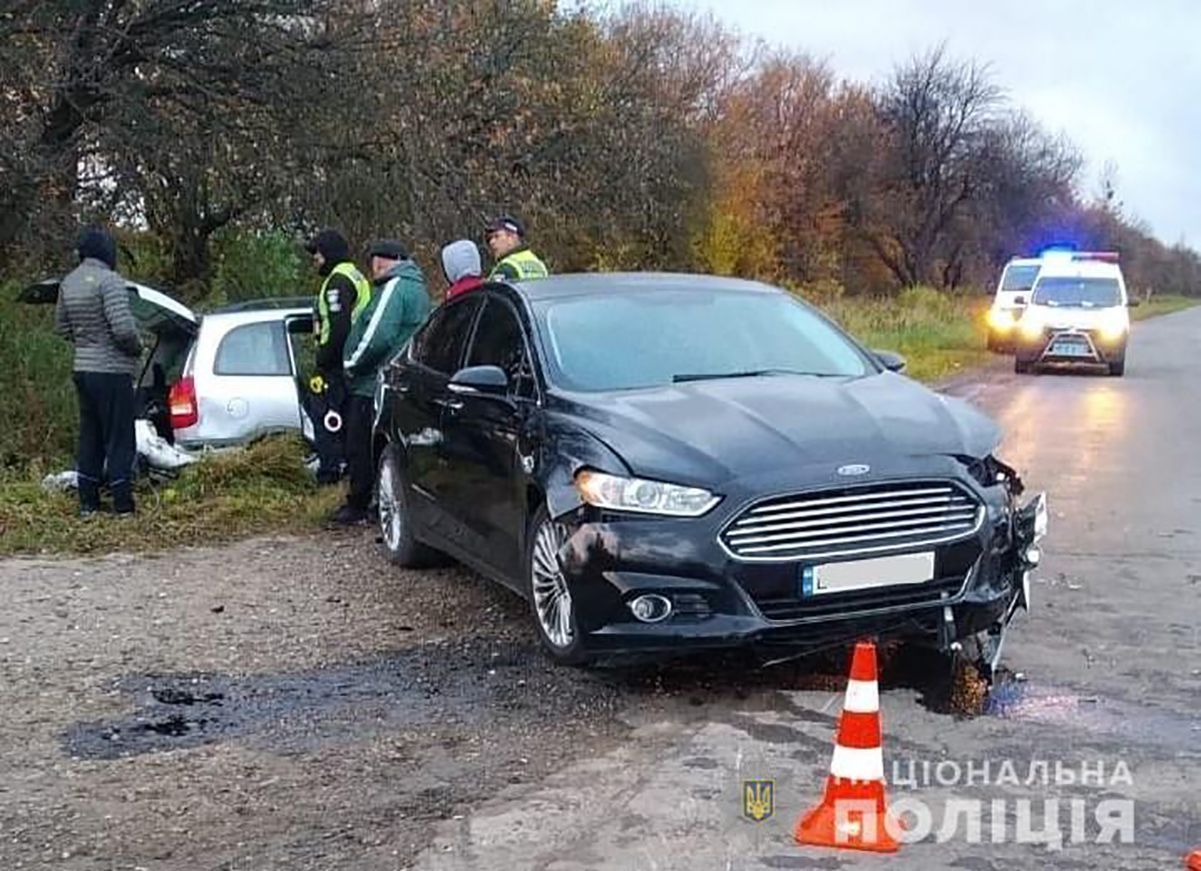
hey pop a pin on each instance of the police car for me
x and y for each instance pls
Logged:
(1013, 292)
(1077, 313)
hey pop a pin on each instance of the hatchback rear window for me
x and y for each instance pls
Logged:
(254, 349)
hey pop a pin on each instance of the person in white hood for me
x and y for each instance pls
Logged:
(462, 268)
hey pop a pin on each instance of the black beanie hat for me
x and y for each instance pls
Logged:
(97, 243)
(331, 245)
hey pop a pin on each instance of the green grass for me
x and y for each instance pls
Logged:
(263, 489)
(1162, 305)
(940, 335)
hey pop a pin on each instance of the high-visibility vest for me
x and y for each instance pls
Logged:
(362, 289)
(526, 263)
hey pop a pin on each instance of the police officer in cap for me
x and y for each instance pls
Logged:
(514, 260)
(344, 293)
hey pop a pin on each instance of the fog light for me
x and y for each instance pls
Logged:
(651, 608)
(1033, 555)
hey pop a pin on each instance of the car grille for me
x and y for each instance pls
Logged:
(870, 519)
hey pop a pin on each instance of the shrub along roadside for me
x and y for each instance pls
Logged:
(263, 489)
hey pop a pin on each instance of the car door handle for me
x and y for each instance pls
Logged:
(450, 403)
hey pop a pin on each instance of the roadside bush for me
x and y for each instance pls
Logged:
(37, 398)
(257, 265)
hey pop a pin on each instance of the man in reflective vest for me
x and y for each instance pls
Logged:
(344, 293)
(514, 260)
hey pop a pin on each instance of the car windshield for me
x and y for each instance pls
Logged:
(650, 338)
(1088, 292)
(1019, 277)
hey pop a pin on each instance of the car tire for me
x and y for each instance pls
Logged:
(395, 517)
(1118, 368)
(551, 603)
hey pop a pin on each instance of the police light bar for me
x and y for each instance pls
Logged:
(1102, 256)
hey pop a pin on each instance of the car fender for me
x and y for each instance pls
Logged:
(570, 449)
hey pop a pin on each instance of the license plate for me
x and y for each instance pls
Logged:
(885, 571)
(1070, 349)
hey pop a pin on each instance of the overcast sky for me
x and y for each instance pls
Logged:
(1122, 77)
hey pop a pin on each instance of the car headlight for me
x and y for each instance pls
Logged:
(1001, 318)
(642, 496)
(1032, 324)
(1115, 325)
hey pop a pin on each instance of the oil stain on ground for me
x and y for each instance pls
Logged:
(442, 685)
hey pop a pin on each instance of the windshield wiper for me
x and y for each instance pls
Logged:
(751, 373)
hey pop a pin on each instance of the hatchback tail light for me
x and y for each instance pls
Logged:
(182, 402)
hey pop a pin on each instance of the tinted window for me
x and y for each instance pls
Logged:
(1078, 291)
(499, 342)
(1019, 277)
(254, 349)
(655, 337)
(440, 345)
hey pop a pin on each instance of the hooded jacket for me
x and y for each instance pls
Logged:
(338, 296)
(93, 314)
(462, 268)
(399, 306)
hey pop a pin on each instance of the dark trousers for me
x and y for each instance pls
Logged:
(106, 440)
(330, 446)
(359, 414)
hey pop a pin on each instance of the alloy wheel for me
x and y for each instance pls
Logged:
(552, 599)
(391, 514)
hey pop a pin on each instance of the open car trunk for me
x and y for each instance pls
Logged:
(173, 326)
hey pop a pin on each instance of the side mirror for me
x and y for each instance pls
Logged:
(1134, 303)
(486, 380)
(1019, 300)
(890, 360)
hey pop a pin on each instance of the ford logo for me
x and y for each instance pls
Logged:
(854, 469)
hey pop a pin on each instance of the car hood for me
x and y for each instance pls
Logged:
(153, 309)
(1076, 317)
(708, 432)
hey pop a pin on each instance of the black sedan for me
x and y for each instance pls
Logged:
(661, 463)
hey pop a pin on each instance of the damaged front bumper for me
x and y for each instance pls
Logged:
(663, 585)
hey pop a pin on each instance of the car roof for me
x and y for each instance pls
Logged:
(1080, 269)
(1024, 261)
(597, 283)
(266, 304)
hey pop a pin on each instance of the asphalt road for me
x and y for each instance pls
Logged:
(302, 705)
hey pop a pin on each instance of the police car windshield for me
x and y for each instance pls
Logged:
(1019, 277)
(1086, 292)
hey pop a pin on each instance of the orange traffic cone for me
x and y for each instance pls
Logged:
(1194, 861)
(852, 814)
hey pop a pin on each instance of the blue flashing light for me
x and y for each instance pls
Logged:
(1057, 255)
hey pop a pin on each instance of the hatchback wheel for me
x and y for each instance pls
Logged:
(550, 598)
(395, 517)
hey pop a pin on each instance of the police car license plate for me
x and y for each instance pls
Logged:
(885, 571)
(1070, 348)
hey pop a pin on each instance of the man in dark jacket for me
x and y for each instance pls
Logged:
(93, 314)
(399, 306)
(343, 295)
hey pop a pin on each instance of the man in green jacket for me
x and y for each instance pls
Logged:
(399, 306)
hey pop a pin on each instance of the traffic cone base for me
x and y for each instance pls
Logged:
(853, 813)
